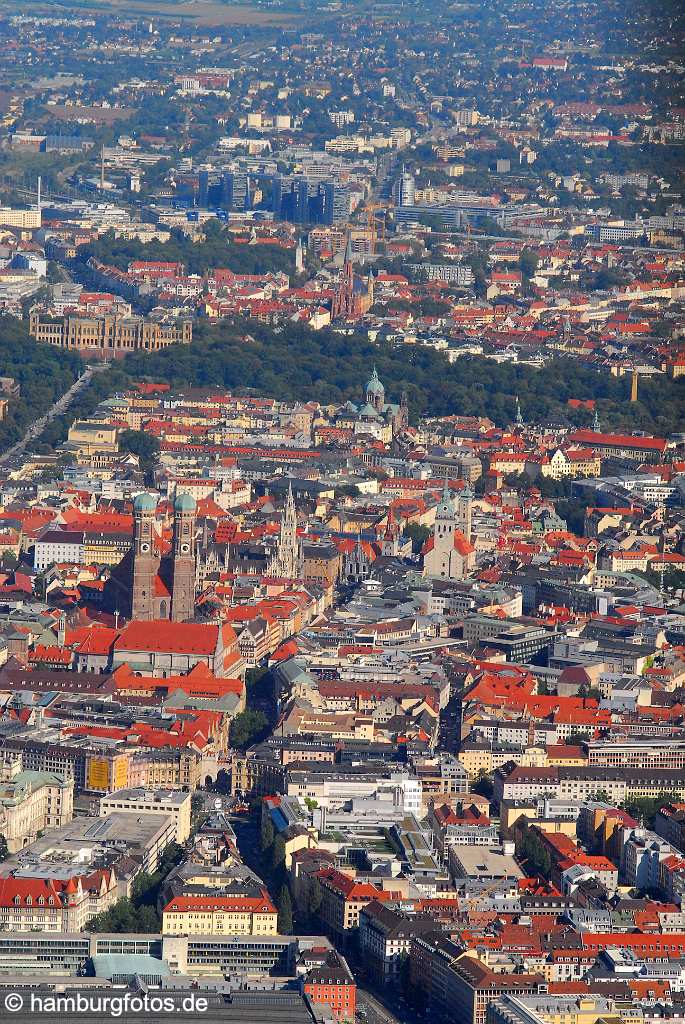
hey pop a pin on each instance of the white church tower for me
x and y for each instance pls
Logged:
(449, 554)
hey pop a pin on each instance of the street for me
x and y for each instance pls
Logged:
(63, 403)
(375, 1012)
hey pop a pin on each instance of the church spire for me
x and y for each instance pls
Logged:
(596, 425)
(519, 417)
(287, 560)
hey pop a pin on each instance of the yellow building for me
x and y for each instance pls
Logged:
(571, 463)
(85, 437)
(106, 772)
(109, 333)
(481, 757)
(220, 915)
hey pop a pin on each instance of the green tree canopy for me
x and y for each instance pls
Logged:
(248, 727)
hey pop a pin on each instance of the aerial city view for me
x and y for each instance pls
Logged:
(342, 511)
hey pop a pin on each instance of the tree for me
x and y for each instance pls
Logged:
(483, 785)
(531, 850)
(419, 534)
(172, 856)
(644, 808)
(299, 364)
(247, 727)
(145, 446)
(143, 885)
(148, 920)
(314, 904)
(267, 833)
(285, 911)
(347, 491)
(528, 262)
(277, 859)
(575, 739)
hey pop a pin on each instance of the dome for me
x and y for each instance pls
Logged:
(374, 386)
(184, 503)
(145, 502)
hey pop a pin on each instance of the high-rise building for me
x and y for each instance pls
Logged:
(235, 191)
(335, 207)
(276, 194)
(404, 189)
(203, 189)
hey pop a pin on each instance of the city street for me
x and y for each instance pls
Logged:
(60, 406)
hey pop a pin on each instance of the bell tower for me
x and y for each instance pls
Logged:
(464, 510)
(183, 587)
(145, 561)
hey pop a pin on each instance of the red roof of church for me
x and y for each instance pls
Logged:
(179, 637)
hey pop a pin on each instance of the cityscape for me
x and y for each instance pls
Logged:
(342, 512)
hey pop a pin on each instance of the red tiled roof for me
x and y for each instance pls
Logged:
(180, 637)
(249, 904)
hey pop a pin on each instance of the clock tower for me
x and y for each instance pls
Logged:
(183, 569)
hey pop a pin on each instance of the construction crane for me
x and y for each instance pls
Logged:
(372, 223)
(481, 895)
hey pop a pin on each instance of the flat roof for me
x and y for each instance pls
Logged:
(481, 862)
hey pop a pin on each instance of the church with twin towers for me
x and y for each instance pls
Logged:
(149, 583)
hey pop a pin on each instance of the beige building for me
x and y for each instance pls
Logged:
(174, 803)
(166, 768)
(32, 802)
(220, 915)
(86, 436)
(109, 334)
(477, 757)
(11, 218)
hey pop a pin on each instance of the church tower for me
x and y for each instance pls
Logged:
(288, 558)
(183, 564)
(375, 392)
(343, 300)
(390, 539)
(449, 554)
(464, 511)
(445, 519)
(145, 560)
